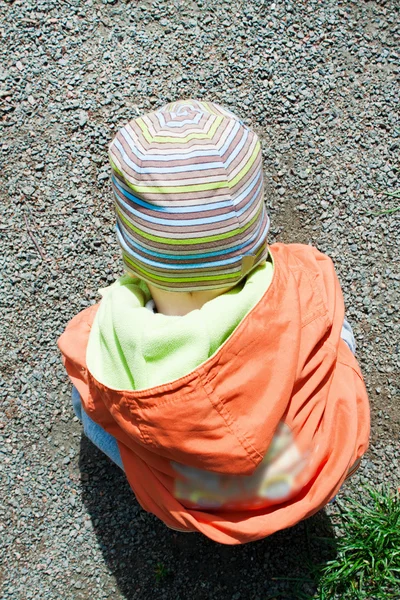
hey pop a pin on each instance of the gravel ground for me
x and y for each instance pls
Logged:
(317, 81)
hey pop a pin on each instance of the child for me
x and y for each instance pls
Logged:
(219, 371)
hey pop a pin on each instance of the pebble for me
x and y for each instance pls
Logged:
(83, 118)
(28, 190)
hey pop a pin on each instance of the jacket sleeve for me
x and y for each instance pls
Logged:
(73, 343)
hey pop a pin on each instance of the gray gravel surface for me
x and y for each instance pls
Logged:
(318, 80)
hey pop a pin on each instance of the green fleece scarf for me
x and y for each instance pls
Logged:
(132, 348)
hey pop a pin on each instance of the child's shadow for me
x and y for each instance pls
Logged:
(148, 560)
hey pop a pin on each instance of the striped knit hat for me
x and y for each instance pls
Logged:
(188, 188)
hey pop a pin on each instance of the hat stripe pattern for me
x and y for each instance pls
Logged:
(129, 207)
(188, 187)
(182, 265)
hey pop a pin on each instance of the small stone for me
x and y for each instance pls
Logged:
(83, 118)
(28, 190)
(303, 174)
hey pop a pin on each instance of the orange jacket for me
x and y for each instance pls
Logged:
(261, 435)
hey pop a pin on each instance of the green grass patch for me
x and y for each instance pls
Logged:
(161, 572)
(367, 562)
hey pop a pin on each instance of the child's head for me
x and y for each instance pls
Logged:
(188, 188)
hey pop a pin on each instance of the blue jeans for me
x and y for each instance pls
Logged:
(96, 434)
(108, 444)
